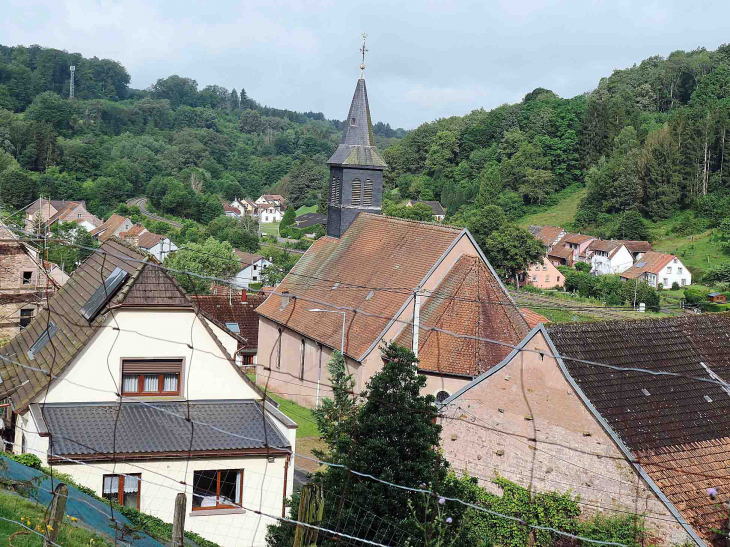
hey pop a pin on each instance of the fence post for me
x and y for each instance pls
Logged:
(178, 521)
(55, 519)
(311, 509)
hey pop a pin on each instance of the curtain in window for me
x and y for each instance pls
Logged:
(239, 477)
(111, 484)
(170, 382)
(131, 484)
(151, 382)
(129, 383)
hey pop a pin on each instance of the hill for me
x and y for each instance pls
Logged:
(112, 142)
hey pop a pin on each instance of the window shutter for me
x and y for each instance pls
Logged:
(356, 192)
(367, 198)
(153, 366)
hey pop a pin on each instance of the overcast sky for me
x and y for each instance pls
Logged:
(427, 59)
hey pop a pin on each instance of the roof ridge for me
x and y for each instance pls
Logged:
(433, 223)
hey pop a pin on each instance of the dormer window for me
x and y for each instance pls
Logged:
(151, 377)
(352, 121)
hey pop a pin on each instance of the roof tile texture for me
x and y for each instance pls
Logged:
(229, 309)
(652, 262)
(470, 301)
(376, 252)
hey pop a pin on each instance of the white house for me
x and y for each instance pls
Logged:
(157, 245)
(270, 213)
(252, 265)
(658, 268)
(245, 206)
(124, 326)
(609, 257)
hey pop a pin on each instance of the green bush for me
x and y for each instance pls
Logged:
(695, 295)
(583, 267)
(31, 460)
(675, 286)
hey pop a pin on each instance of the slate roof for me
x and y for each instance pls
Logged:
(546, 234)
(650, 262)
(357, 146)
(435, 206)
(229, 309)
(74, 330)
(311, 219)
(476, 306)
(675, 411)
(87, 430)
(375, 251)
(148, 240)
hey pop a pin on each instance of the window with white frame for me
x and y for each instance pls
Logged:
(679, 271)
(669, 269)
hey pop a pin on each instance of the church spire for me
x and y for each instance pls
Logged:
(363, 50)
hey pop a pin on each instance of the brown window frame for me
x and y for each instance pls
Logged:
(140, 392)
(120, 488)
(247, 359)
(218, 490)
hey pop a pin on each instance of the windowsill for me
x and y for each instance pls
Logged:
(214, 511)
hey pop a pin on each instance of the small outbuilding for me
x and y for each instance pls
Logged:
(717, 298)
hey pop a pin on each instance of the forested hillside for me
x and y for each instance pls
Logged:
(649, 140)
(183, 145)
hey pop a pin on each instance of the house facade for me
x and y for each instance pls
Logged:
(270, 212)
(625, 442)
(157, 245)
(24, 282)
(252, 267)
(245, 206)
(543, 276)
(115, 226)
(52, 211)
(657, 269)
(439, 214)
(334, 299)
(120, 325)
(609, 257)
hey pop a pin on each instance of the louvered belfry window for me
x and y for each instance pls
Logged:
(367, 195)
(356, 192)
(335, 191)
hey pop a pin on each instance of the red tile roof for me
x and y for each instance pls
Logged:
(247, 258)
(475, 305)
(684, 472)
(226, 308)
(604, 245)
(576, 239)
(652, 262)
(547, 234)
(533, 318)
(561, 252)
(148, 240)
(107, 229)
(636, 246)
(374, 267)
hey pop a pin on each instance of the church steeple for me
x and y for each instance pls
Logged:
(356, 167)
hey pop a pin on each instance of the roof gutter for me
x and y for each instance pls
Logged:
(624, 449)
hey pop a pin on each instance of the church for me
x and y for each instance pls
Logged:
(375, 279)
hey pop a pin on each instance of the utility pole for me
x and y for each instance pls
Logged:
(71, 86)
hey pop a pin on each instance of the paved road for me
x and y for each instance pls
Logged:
(142, 204)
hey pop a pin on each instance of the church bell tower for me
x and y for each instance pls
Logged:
(356, 167)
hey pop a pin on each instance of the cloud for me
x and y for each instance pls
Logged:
(427, 59)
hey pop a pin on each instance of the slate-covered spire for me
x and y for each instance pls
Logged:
(357, 146)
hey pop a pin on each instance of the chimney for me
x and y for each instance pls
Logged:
(284, 300)
(243, 296)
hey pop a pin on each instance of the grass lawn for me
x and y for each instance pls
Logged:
(557, 215)
(270, 228)
(697, 252)
(15, 507)
(562, 316)
(303, 210)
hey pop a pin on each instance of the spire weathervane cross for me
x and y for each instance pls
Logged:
(363, 50)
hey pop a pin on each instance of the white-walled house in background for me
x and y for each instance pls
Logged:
(157, 245)
(659, 269)
(166, 351)
(252, 266)
(609, 257)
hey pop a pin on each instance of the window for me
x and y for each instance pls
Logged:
(666, 282)
(669, 269)
(302, 353)
(247, 359)
(48, 333)
(679, 271)
(544, 267)
(217, 489)
(335, 191)
(441, 396)
(26, 316)
(356, 192)
(255, 267)
(367, 194)
(684, 282)
(534, 278)
(151, 377)
(558, 279)
(547, 279)
(233, 327)
(27, 277)
(79, 215)
(352, 121)
(255, 278)
(124, 489)
(675, 260)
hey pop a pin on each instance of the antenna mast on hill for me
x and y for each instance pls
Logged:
(71, 87)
